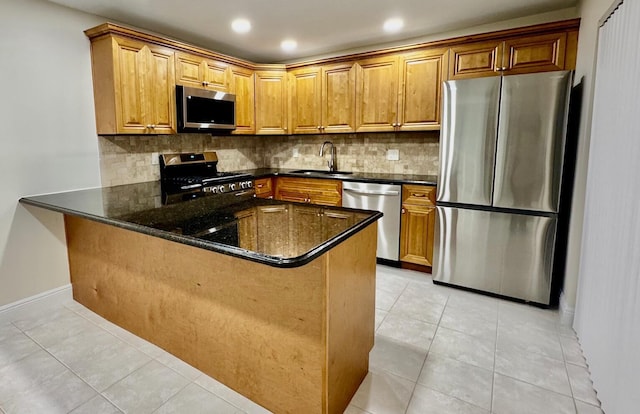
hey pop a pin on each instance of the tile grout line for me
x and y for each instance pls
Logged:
(415, 385)
(67, 368)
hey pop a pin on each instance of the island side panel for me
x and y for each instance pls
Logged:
(351, 290)
(256, 328)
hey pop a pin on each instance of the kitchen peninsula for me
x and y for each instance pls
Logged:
(278, 304)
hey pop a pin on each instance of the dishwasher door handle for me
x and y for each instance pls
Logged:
(368, 192)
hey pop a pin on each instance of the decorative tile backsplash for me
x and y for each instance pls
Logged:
(127, 159)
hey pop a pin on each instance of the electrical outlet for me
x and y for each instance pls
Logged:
(155, 158)
(393, 155)
(296, 153)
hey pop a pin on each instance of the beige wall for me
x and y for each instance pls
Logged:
(48, 137)
(590, 13)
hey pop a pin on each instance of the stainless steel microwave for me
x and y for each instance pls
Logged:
(201, 110)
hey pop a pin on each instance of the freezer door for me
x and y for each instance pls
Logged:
(467, 141)
(503, 253)
(531, 135)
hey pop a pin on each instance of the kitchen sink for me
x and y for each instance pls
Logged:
(322, 173)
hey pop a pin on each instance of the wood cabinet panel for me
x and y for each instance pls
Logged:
(141, 96)
(535, 54)
(323, 99)
(160, 85)
(475, 60)
(200, 72)
(306, 100)
(338, 98)
(242, 85)
(271, 102)
(376, 94)
(421, 76)
(309, 190)
(264, 187)
(417, 224)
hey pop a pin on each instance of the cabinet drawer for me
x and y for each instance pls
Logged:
(419, 195)
(264, 187)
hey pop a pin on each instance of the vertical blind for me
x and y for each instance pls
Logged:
(607, 316)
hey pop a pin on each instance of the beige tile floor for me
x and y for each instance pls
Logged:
(438, 350)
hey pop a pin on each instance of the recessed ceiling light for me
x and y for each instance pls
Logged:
(288, 45)
(241, 25)
(393, 25)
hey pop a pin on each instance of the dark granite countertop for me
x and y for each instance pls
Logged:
(381, 178)
(276, 233)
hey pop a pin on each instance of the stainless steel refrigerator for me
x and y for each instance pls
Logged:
(501, 164)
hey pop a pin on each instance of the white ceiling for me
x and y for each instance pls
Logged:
(319, 26)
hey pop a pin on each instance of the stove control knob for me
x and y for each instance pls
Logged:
(232, 187)
(243, 185)
(214, 190)
(221, 188)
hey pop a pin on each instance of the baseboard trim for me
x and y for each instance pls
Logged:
(567, 312)
(53, 296)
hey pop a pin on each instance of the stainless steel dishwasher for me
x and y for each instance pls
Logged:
(381, 197)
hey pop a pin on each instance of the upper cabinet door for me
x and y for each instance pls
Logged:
(468, 141)
(271, 102)
(475, 60)
(421, 76)
(199, 72)
(129, 73)
(160, 90)
(306, 98)
(144, 79)
(377, 94)
(535, 53)
(242, 85)
(530, 151)
(339, 98)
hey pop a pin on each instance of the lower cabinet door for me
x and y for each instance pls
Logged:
(416, 234)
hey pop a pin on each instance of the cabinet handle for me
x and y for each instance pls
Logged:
(404, 211)
(148, 126)
(205, 83)
(260, 185)
(153, 126)
(418, 195)
(319, 127)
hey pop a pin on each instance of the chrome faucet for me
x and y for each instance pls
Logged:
(332, 161)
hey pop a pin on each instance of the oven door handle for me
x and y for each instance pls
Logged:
(241, 193)
(215, 229)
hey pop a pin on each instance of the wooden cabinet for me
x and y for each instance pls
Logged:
(271, 102)
(400, 92)
(420, 94)
(264, 187)
(540, 53)
(322, 99)
(200, 72)
(309, 190)
(417, 224)
(475, 60)
(242, 85)
(513, 55)
(134, 86)
(376, 94)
